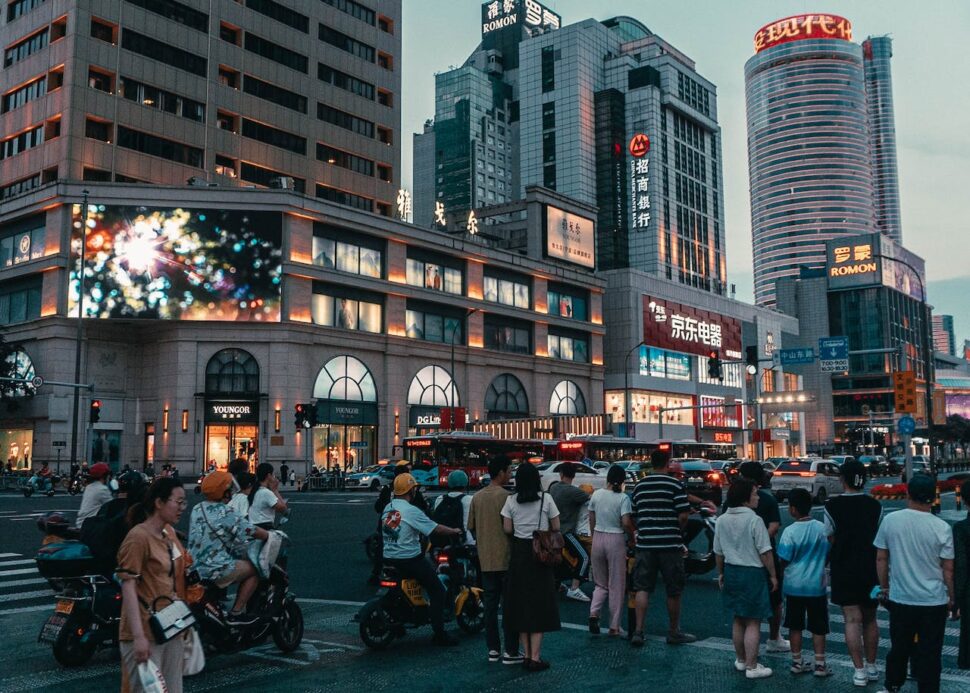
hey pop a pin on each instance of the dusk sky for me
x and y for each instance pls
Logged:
(931, 70)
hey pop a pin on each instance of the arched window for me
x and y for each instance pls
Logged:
(20, 367)
(346, 378)
(506, 398)
(567, 398)
(433, 386)
(232, 372)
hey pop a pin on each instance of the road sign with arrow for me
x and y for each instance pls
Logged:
(833, 354)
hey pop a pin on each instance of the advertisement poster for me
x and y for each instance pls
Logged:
(570, 237)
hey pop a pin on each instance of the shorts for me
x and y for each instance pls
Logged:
(668, 562)
(243, 569)
(852, 591)
(816, 609)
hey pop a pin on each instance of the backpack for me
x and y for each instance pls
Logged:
(104, 533)
(449, 512)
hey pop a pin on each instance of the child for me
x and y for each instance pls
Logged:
(803, 550)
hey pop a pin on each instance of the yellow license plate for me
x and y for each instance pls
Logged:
(64, 606)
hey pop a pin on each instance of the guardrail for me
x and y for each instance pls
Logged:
(324, 482)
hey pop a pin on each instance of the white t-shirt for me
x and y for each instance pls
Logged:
(240, 504)
(95, 495)
(466, 506)
(262, 510)
(741, 537)
(916, 542)
(610, 507)
(525, 516)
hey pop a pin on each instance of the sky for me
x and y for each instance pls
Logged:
(931, 71)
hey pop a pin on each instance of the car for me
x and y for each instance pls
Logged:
(600, 465)
(821, 478)
(840, 459)
(921, 465)
(876, 465)
(897, 463)
(635, 469)
(372, 478)
(772, 462)
(700, 478)
(549, 474)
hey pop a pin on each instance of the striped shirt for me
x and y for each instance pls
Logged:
(658, 499)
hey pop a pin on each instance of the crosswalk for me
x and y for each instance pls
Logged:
(22, 588)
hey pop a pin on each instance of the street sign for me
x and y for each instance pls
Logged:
(904, 392)
(833, 354)
(906, 425)
(37, 381)
(358, 444)
(791, 357)
(780, 434)
(59, 444)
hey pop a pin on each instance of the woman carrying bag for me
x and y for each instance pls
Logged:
(531, 597)
(151, 566)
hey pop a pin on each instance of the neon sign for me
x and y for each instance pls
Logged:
(499, 14)
(639, 182)
(801, 27)
(858, 257)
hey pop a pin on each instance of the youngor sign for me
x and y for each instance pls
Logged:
(677, 327)
(801, 27)
(570, 237)
(231, 411)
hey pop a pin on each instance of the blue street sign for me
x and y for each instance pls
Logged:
(791, 357)
(906, 425)
(833, 354)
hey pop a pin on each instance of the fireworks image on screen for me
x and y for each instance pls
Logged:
(178, 264)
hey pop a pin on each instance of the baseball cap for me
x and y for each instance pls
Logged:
(403, 483)
(99, 470)
(922, 488)
(215, 484)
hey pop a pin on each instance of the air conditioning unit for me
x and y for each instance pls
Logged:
(282, 183)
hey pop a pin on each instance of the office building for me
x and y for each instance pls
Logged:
(821, 144)
(944, 340)
(254, 93)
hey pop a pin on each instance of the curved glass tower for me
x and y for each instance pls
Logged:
(877, 52)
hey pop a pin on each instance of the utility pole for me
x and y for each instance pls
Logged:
(80, 329)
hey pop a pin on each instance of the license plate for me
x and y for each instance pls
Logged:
(52, 628)
(64, 606)
(695, 480)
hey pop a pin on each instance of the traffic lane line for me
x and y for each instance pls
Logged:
(20, 571)
(24, 596)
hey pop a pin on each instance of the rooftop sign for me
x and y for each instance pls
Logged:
(803, 26)
(499, 14)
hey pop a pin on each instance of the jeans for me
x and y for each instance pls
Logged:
(494, 583)
(926, 625)
(418, 568)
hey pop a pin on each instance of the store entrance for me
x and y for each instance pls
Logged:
(226, 442)
(351, 447)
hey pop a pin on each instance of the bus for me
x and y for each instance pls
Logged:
(433, 457)
(614, 449)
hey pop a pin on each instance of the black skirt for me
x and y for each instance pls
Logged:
(531, 598)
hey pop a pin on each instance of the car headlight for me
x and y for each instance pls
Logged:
(365, 478)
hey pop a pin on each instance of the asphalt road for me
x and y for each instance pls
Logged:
(328, 574)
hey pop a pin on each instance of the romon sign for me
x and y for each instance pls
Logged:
(499, 14)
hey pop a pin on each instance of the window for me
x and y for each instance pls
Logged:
(506, 398)
(30, 91)
(25, 47)
(385, 135)
(549, 176)
(334, 307)
(102, 81)
(346, 160)
(160, 147)
(341, 197)
(354, 9)
(345, 378)
(251, 173)
(568, 347)
(503, 334)
(568, 303)
(276, 53)
(384, 24)
(21, 186)
(228, 77)
(153, 97)
(96, 174)
(549, 116)
(227, 121)
(232, 372)
(273, 136)
(548, 69)
(386, 61)
(281, 14)
(508, 290)
(567, 399)
(334, 249)
(225, 166)
(342, 80)
(22, 241)
(548, 147)
(177, 12)
(431, 273)
(97, 130)
(11, 146)
(385, 98)
(271, 92)
(433, 386)
(229, 33)
(346, 43)
(385, 173)
(103, 31)
(18, 8)
(345, 120)
(20, 300)
(434, 324)
(163, 52)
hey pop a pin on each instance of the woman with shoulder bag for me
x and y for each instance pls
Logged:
(531, 603)
(151, 566)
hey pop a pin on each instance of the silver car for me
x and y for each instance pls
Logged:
(820, 478)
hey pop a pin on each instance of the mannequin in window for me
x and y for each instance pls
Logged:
(344, 317)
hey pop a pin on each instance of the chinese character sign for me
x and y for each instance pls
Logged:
(570, 237)
(640, 212)
(472, 224)
(439, 214)
(682, 328)
(498, 14)
(404, 204)
(800, 27)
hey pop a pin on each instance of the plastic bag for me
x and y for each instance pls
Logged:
(194, 654)
(151, 678)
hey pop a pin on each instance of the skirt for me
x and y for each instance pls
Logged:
(531, 600)
(746, 591)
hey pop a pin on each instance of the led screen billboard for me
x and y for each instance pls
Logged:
(178, 264)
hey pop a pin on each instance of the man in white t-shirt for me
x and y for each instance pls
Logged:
(914, 561)
(267, 501)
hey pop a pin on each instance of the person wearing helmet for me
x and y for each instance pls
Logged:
(403, 525)
(105, 532)
(218, 540)
(451, 509)
(383, 498)
(96, 493)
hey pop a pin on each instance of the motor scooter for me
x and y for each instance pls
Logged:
(41, 485)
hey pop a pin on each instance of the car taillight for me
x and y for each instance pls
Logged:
(388, 583)
(714, 477)
(806, 473)
(442, 558)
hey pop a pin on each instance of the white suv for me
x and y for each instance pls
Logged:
(821, 478)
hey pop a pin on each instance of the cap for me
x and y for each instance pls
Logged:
(587, 489)
(752, 471)
(854, 473)
(922, 488)
(403, 483)
(99, 470)
(457, 479)
(215, 484)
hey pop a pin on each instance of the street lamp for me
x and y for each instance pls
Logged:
(80, 329)
(627, 408)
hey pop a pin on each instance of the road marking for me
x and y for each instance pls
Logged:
(839, 618)
(24, 596)
(22, 583)
(10, 555)
(24, 609)
(26, 561)
(20, 571)
(330, 602)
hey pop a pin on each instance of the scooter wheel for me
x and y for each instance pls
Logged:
(288, 633)
(69, 650)
(472, 616)
(376, 625)
(28, 492)
(50, 494)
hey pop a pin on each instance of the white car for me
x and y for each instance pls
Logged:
(549, 474)
(820, 478)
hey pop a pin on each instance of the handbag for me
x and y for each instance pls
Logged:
(547, 544)
(193, 661)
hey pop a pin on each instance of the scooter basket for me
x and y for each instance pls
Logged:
(66, 559)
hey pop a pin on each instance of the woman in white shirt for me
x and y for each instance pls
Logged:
(610, 511)
(266, 502)
(240, 499)
(745, 573)
(531, 605)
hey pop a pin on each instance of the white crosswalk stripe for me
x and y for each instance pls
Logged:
(21, 586)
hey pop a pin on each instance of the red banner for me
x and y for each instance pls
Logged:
(677, 327)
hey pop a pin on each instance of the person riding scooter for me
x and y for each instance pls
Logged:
(402, 525)
(96, 493)
(105, 532)
(383, 498)
(43, 480)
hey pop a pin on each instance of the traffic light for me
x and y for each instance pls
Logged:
(299, 416)
(751, 357)
(714, 365)
(904, 391)
(311, 415)
(95, 413)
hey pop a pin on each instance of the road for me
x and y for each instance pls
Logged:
(328, 574)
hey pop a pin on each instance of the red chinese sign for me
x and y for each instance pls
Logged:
(673, 326)
(800, 27)
(639, 145)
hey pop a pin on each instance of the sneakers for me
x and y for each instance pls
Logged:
(739, 665)
(636, 640)
(494, 655)
(759, 672)
(594, 625)
(517, 658)
(240, 619)
(822, 669)
(859, 678)
(872, 672)
(577, 594)
(779, 645)
(800, 667)
(444, 640)
(681, 638)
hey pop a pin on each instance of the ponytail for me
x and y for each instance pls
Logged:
(160, 489)
(615, 478)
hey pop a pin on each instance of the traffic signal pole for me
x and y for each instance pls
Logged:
(80, 329)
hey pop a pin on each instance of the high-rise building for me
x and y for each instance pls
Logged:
(821, 144)
(606, 113)
(301, 95)
(944, 339)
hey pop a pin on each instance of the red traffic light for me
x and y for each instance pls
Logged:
(95, 403)
(712, 354)
(299, 407)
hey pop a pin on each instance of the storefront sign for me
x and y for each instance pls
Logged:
(639, 182)
(570, 237)
(801, 27)
(231, 411)
(332, 411)
(724, 437)
(849, 260)
(499, 14)
(683, 328)
(424, 417)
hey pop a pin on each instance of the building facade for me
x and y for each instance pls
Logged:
(944, 339)
(255, 93)
(210, 313)
(821, 144)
